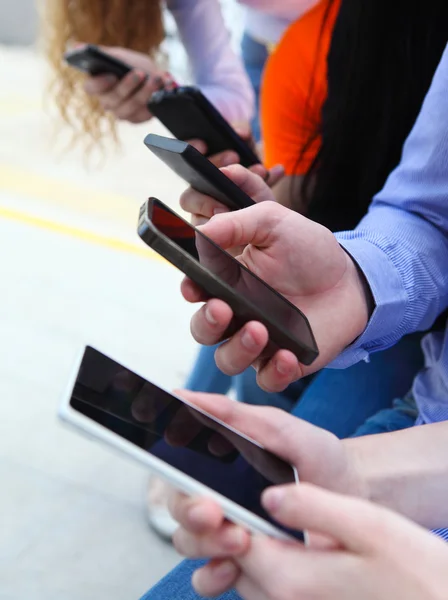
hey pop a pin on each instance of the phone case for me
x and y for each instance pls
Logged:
(243, 309)
(198, 171)
(188, 115)
(94, 61)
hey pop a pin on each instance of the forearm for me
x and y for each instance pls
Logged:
(406, 471)
(217, 69)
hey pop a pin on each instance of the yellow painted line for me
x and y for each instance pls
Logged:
(80, 234)
(26, 183)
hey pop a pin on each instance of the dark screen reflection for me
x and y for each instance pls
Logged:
(233, 273)
(155, 421)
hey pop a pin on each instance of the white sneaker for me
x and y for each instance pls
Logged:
(159, 518)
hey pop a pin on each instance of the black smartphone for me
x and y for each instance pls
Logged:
(192, 450)
(188, 115)
(222, 276)
(90, 59)
(198, 171)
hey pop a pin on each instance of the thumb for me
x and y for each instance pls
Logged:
(251, 182)
(356, 524)
(254, 225)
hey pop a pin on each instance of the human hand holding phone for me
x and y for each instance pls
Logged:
(203, 207)
(303, 262)
(375, 554)
(127, 98)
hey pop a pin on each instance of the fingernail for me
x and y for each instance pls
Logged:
(273, 498)
(248, 341)
(282, 369)
(234, 539)
(224, 570)
(136, 76)
(209, 317)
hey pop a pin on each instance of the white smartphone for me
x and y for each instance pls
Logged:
(192, 450)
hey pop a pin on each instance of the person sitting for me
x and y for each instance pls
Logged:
(374, 284)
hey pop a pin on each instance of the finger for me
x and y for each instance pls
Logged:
(124, 88)
(215, 578)
(271, 176)
(228, 540)
(210, 323)
(279, 372)
(240, 351)
(354, 523)
(192, 292)
(141, 115)
(224, 159)
(275, 174)
(200, 145)
(138, 100)
(250, 182)
(197, 220)
(194, 202)
(197, 515)
(276, 430)
(254, 225)
(100, 84)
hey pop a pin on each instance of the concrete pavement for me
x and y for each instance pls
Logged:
(73, 271)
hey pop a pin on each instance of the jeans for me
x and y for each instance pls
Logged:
(254, 57)
(339, 401)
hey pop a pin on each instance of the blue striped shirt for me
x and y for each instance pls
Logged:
(402, 247)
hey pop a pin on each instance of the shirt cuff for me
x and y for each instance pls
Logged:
(389, 295)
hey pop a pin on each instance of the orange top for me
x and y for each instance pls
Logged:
(290, 108)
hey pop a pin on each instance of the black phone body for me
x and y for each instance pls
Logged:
(191, 449)
(92, 60)
(188, 115)
(198, 171)
(222, 276)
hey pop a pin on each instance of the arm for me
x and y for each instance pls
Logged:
(402, 243)
(217, 70)
(406, 471)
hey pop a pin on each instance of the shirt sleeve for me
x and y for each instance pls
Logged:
(402, 243)
(218, 71)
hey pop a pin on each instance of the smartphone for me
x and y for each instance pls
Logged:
(188, 115)
(198, 171)
(90, 59)
(195, 452)
(222, 276)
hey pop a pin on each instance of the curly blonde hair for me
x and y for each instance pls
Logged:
(133, 24)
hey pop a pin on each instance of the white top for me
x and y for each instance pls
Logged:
(217, 69)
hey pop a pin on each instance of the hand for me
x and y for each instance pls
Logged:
(203, 207)
(319, 457)
(227, 157)
(302, 261)
(127, 98)
(377, 555)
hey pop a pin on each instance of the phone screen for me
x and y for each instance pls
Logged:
(232, 272)
(178, 434)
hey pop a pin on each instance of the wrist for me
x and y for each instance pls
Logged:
(357, 483)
